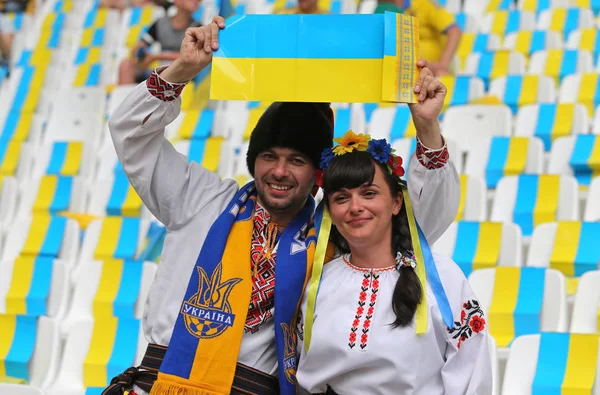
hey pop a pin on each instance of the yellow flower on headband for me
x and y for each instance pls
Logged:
(351, 142)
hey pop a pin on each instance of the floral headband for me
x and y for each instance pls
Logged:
(379, 149)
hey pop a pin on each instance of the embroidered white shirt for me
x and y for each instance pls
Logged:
(355, 350)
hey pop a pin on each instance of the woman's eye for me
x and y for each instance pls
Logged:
(370, 193)
(339, 198)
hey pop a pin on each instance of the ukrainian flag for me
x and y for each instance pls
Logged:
(287, 58)
(585, 158)
(566, 364)
(517, 301)
(575, 250)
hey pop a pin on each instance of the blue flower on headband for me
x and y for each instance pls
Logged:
(326, 156)
(380, 150)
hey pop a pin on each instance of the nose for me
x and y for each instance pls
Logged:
(280, 169)
(355, 206)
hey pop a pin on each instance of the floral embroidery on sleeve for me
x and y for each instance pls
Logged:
(471, 322)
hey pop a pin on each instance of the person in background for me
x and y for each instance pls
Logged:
(6, 39)
(124, 4)
(169, 33)
(304, 7)
(16, 6)
(439, 33)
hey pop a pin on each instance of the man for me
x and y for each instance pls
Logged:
(439, 33)
(194, 203)
(168, 32)
(304, 7)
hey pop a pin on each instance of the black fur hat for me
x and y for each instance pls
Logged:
(305, 127)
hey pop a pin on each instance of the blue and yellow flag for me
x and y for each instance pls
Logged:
(536, 201)
(30, 286)
(585, 158)
(17, 343)
(575, 250)
(566, 364)
(517, 302)
(507, 157)
(285, 58)
(477, 245)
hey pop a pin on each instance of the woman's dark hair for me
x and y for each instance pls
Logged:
(351, 171)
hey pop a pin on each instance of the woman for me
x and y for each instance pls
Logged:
(375, 329)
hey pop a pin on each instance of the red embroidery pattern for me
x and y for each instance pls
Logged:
(369, 289)
(471, 322)
(262, 300)
(162, 89)
(432, 159)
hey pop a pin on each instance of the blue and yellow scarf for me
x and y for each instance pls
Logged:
(203, 352)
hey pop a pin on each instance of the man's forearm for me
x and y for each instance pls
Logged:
(453, 40)
(177, 72)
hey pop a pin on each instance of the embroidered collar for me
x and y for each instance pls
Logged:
(346, 259)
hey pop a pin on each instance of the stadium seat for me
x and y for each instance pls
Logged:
(538, 364)
(8, 200)
(22, 126)
(551, 121)
(35, 286)
(193, 124)
(565, 20)
(585, 307)
(42, 235)
(110, 288)
(539, 6)
(15, 159)
(81, 100)
(471, 123)
(108, 162)
(530, 200)
(406, 147)
(580, 88)
(568, 246)
(135, 21)
(477, 43)
(96, 350)
(19, 389)
(584, 40)
(576, 156)
(473, 200)
(528, 42)
(462, 90)
(34, 346)
(467, 22)
(213, 153)
(558, 63)
(592, 209)
(519, 90)
(477, 245)
(113, 237)
(65, 158)
(481, 7)
(596, 122)
(74, 126)
(499, 156)
(507, 22)
(116, 197)
(392, 123)
(490, 65)
(520, 301)
(52, 195)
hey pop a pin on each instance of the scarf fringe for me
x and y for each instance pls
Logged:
(161, 387)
